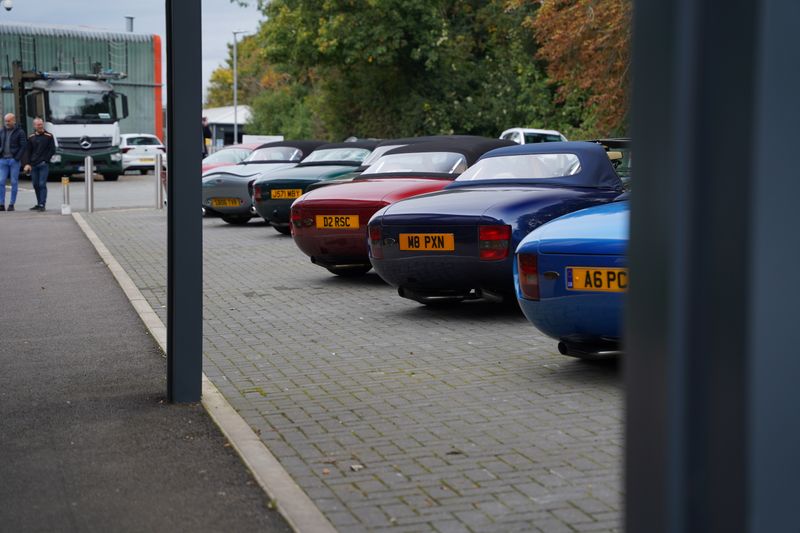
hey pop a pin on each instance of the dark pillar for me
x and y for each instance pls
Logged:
(184, 223)
(713, 424)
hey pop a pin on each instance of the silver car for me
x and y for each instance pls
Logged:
(227, 190)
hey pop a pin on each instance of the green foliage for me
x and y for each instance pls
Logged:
(391, 68)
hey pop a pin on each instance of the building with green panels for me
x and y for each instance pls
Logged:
(82, 51)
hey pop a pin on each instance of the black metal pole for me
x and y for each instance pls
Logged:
(712, 420)
(184, 224)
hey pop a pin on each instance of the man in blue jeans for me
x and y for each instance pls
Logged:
(12, 148)
(41, 147)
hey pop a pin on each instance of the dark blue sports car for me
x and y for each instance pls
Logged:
(571, 276)
(458, 243)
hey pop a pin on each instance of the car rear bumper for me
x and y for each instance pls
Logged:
(445, 276)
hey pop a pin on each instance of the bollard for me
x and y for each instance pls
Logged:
(159, 185)
(88, 172)
(66, 209)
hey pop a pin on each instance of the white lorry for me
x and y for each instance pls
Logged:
(82, 113)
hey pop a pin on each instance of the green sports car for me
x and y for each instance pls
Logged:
(273, 195)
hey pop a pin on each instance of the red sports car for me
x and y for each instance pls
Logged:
(330, 224)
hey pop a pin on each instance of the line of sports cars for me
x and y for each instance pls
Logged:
(451, 218)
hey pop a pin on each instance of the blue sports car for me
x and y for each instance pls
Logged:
(458, 243)
(571, 276)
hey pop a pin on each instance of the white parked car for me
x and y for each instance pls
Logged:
(139, 151)
(532, 135)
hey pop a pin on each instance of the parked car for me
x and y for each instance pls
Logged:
(274, 194)
(228, 155)
(532, 135)
(227, 190)
(571, 277)
(139, 151)
(458, 243)
(329, 224)
(380, 149)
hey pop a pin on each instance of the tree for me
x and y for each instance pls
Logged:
(383, 68)
(586, 46)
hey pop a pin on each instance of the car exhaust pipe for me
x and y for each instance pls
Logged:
(586, 352)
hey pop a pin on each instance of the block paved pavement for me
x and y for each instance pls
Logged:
(389, 414)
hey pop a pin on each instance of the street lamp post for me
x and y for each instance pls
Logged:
(235, 90)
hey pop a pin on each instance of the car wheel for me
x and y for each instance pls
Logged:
(283, 230)
(110, 177)
(350, 271)
(237, 221)
(143, 171)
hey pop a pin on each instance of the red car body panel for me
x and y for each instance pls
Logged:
(343, 246)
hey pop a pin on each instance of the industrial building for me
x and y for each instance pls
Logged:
(85, 51)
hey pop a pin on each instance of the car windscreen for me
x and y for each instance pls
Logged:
(275, 153)
(356, 155)
(76, 107)
(526, 166)
(433, 162)
(542, 138)
(378, 152)
(142, 141)
(228, 155)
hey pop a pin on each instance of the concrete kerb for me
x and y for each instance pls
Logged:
(290, 500)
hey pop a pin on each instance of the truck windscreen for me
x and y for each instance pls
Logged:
(80, 107)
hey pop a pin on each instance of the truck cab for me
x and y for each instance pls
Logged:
(83, 115)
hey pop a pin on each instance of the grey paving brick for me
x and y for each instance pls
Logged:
(338, 371)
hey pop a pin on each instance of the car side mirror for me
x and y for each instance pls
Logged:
(122, 105)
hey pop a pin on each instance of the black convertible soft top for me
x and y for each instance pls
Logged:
(472, 148)
(305, 147)
(366, 144)
(369, 145)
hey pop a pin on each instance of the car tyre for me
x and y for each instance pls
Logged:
(283, 230)
(110, 177)
(236, 221)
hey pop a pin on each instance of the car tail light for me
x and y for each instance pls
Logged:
(256, 193)
(162, 149)
(375, 244)
(493, 242)
(126, 149)
(296, 217)
(528, 272)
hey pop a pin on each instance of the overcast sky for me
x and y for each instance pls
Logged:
(220, 18)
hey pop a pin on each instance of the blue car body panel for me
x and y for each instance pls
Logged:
(594, 237)
(462, 207)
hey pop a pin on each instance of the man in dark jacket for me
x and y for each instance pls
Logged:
(41, 147)
(12, 148)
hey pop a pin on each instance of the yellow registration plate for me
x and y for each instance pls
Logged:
(427, 242)
(337, 221)
(285, 194)
(597, 279)
(225, 202)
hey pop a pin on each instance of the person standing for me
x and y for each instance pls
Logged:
(12, 148)
(40, 148)
(207, 136)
